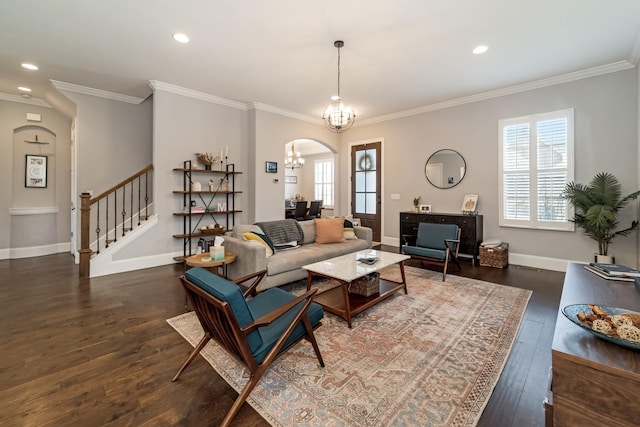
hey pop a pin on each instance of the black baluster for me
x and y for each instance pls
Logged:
(106, 225)
(146, 195)
(115, 216)
(131, 207)
(124, 205)
(98, 227)
(139, 205)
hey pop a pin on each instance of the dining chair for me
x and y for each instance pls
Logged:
(301, 210)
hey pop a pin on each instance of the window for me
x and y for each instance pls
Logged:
(324, 181)
(536, 162)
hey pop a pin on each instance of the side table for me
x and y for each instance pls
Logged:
(217, 266)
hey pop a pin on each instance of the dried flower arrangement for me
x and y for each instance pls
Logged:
(207, 158)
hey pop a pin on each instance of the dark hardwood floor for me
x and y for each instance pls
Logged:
(99, 352)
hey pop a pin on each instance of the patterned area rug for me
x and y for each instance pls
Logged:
(429, 358)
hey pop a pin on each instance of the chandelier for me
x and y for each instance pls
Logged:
(293, 159)
(338, 116)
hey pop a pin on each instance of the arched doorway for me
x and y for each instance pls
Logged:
(309, 174)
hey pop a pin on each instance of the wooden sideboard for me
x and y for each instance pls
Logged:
(594, 382)
(470, 225)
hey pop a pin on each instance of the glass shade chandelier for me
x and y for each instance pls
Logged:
(338, 116)
(294, 159)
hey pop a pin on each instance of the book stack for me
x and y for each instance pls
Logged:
(613, 271)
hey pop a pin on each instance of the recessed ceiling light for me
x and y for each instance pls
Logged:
(180, 37)
(480, 49)
(29, 66)
(24, 89)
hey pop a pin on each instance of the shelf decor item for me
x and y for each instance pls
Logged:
(207, 159)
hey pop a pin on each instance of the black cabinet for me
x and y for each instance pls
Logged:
(470, 229)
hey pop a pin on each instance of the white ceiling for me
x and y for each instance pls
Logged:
(398, 55)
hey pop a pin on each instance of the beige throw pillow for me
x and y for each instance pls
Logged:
(329, 230)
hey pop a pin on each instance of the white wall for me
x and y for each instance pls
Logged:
(606, 139)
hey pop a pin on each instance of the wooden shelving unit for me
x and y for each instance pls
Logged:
(192, 222)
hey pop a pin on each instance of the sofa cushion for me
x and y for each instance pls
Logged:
(308, 231)
(282, 262)
(329, 230)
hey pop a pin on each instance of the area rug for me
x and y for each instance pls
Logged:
(429, 358)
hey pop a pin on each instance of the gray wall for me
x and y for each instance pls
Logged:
(35, 230)
(606, 135)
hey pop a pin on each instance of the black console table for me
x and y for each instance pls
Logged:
(470, 228)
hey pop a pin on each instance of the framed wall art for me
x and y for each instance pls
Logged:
(35, 171)
(271, 167)
(469, 203)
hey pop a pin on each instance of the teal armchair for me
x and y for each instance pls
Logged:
(435, 243)
(254, 330)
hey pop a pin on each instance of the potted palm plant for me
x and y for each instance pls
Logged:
(597, 207)
(416, 201)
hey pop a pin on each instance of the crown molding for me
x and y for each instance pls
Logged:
(21, 99)
(279, 111)
(95, 92)
(202, 96)
(564, 78)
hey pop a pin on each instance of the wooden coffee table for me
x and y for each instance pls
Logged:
(345, 269)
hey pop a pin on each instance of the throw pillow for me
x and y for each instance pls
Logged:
(308, 231)
(329, 230)
(348, 232)
(262, 239)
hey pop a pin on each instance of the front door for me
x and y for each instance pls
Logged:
(366, 200)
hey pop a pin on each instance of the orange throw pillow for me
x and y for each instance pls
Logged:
(329, 230)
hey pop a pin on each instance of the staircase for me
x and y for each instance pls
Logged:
(115, 215)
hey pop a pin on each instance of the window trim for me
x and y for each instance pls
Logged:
(532, 120)
(332, 183)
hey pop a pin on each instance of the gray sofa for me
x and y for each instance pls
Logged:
(285, 266)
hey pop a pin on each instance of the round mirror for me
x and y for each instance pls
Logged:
(445, 168)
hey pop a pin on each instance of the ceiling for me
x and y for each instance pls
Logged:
(398, 55)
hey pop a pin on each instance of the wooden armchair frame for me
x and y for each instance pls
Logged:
(220, 324)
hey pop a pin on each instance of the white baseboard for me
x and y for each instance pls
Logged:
(525, 260)
(33, 251)
(132, 264)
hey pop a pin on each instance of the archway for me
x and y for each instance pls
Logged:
(309, 174)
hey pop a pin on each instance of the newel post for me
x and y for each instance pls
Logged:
(85, 251)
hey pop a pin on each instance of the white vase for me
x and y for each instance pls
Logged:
(604, 259)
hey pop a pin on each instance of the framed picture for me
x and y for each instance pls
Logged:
(469, 203)
(425, 208)
(35, 171)
(291, 179)
(271, 167)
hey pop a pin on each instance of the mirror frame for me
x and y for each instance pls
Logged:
(444, 185)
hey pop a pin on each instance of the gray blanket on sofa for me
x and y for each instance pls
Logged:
(282, 231)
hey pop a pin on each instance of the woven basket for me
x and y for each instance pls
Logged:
(366, 286)
(495, 257)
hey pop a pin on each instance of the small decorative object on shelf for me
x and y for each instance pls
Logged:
(207, 159)
(416, 202)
